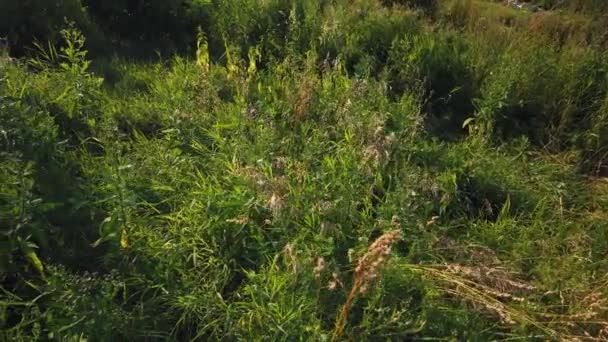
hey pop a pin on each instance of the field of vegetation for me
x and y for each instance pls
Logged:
(323, 170)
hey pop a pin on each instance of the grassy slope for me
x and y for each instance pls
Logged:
(175, 202)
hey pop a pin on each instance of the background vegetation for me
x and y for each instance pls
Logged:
(243, 170)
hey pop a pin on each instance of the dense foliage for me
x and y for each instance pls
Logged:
(253, 183)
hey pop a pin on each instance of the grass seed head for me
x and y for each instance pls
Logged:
(377, 254)
(319, 268)
(275, 203)
(290, 257)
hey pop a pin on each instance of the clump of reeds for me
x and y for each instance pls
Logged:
(366, 272)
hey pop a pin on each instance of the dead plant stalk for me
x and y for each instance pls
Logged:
(367, 270)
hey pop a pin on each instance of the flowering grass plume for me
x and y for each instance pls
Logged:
(366, 272)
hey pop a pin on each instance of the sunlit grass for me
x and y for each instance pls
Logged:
(256, 193)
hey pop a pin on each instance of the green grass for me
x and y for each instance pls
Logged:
(238, 195)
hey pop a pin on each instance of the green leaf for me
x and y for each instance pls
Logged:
(32, 257)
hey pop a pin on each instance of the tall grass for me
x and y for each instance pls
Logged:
(245, 191)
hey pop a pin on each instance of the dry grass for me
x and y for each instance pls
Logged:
(366, 272)
(302, 98)
(496, 291)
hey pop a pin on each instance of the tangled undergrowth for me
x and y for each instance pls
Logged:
(255, 189)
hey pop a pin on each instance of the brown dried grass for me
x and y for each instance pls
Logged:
(366, 272)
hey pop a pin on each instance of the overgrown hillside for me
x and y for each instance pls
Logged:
(303, 170)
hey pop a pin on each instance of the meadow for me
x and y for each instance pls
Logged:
(294, 170)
